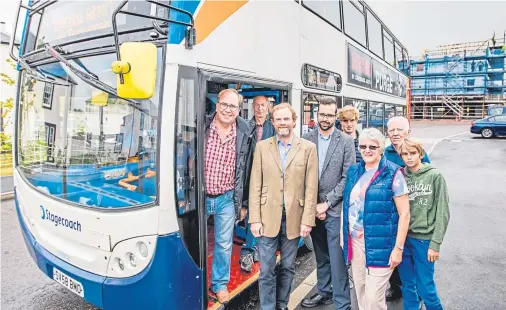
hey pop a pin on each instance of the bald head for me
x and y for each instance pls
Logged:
(398, 130)
(261, 106)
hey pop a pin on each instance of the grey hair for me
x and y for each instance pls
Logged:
(373, 134)
(401, 119)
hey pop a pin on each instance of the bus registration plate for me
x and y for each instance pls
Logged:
(73, 285)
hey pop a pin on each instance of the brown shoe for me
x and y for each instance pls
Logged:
(223, 297)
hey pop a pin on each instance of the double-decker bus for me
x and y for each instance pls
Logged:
(110, 111)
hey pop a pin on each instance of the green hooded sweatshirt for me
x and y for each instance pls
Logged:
(428, 201)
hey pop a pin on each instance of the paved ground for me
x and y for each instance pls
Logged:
(6, 184)
(470, 274)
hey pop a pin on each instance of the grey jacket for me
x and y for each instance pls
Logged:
(243, 161)
(340, 156)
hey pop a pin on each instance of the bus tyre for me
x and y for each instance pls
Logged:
(308, 242)
(487, 133)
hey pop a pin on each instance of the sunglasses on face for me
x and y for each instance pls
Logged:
(370, 147)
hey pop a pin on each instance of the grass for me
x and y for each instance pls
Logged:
(5, 164)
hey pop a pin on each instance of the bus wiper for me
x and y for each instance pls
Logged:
(37, 74)
(89, 79)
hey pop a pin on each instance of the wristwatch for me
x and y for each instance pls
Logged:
(400, 247)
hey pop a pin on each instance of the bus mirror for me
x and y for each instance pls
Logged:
(99, 98)
(138, 67)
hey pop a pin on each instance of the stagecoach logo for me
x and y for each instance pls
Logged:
(58, 220)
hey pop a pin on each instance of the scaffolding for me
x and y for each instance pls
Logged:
(459, 80)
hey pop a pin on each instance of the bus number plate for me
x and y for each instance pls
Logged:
(73, 285)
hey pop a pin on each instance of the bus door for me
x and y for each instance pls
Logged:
(211, 84)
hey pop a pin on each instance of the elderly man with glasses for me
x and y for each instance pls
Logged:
(398, 131)
(227, 163)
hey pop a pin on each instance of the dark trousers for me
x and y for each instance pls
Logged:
(272, 295)
(331, 271)
(395, 281)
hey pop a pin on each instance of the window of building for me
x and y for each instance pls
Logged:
(354, 22)
(327, 9)
(47, 99)
(374, 34)
(388, 44)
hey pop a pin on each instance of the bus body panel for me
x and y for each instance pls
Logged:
(90, 243)
(178, 280)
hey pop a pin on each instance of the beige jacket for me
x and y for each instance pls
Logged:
(266, 187)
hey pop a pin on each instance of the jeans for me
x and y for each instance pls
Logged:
(222, 207)
(332, 273)
(417, 276)
(272, 295)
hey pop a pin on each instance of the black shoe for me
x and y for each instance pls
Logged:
(316, 300)
(393, 294)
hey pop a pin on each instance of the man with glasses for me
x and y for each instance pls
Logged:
(227, 162)
(398, 130)
(263, 129)
(336, 153)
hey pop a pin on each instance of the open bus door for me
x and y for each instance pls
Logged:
(210, 84)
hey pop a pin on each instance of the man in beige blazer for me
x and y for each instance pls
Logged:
(282, 203)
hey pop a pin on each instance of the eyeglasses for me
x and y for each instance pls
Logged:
(370, 147)
(326, 116)
(224, 106)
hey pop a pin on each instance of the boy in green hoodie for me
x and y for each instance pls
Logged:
(430, 214)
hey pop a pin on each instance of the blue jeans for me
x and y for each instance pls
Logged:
(222, 207)
(417, 276)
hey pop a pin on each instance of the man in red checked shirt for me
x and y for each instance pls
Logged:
(227, 162)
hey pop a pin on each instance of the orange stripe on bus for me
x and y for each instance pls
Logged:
(212, 14)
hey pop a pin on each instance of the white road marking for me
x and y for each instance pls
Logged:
(301, 291)
(444, 138)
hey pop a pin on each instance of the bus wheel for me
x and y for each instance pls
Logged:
(308, 242)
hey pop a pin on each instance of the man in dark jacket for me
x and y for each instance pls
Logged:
(227, 163)
(335, 155)
(262, 129)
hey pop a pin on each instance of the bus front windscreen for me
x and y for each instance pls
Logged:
(85, 146)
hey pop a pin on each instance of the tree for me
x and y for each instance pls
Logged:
(6, 108)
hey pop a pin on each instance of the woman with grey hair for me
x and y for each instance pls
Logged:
(375, 220)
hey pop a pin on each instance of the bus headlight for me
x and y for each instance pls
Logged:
(120, 264)
(143, 249)
(131, 256)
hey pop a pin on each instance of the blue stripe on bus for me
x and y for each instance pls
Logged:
(171, 280)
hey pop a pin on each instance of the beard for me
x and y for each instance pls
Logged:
(283, 131)
(324, 126)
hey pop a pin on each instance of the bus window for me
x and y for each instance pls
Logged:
(389, 112)
(361, 105)
(376, 115)
(310, 110)
(85, 146)
(400, 110)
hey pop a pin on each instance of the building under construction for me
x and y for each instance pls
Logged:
(459, 80)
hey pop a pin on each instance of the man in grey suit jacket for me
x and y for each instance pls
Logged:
(336, 153)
